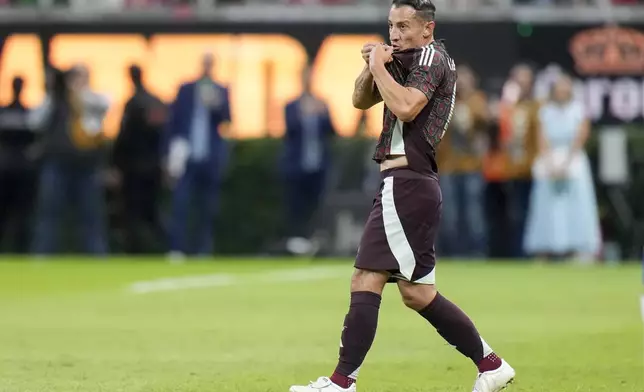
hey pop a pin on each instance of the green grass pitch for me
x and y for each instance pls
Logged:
(262, 325)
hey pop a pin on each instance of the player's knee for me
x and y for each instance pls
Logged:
(363, 280)
(416, 296)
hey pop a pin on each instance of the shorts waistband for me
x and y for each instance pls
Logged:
(405, 172)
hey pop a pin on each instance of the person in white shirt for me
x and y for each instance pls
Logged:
(563, 218)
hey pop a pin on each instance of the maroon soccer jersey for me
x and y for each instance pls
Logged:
(430, 70)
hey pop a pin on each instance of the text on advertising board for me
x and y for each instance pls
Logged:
(611, 63)
(262, 71)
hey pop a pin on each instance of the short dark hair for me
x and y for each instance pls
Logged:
(425, 9)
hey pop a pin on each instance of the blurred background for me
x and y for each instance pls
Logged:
(225, 127)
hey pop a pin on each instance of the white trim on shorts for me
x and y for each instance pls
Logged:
(397, 239)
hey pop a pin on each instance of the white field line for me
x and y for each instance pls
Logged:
(220, 280)
(188, 282)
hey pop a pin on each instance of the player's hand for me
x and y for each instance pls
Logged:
(366, 50)
(380, 54)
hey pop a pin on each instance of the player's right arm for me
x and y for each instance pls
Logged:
(365, 92)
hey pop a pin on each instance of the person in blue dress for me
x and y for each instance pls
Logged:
(563, 218)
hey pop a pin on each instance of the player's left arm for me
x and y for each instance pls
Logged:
(407, 101)
(404, 102)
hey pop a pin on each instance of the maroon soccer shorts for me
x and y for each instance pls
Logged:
(400, 231)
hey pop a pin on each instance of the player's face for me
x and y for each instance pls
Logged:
(406, 30)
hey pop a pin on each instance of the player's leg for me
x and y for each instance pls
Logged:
(418, 205)
(418, 209)
(360, 323)
(359, 330)
(459, 331)
(450, 322)
(358, 333)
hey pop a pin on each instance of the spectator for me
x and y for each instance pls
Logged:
(307, 154)
(70, 120)
(563, 217)
(138, 163)
(495, 168)
(519, 139)
(460, 153)
(196, 155)
(17, 170)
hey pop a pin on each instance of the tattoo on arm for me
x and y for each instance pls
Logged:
(365, 93)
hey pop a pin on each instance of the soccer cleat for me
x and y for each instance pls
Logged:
(495, 380)
(323, 384)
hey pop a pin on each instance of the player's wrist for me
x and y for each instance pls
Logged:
(377, 68)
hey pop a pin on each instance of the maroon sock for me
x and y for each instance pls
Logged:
(459, 331)
(490, 362)
(357, 336)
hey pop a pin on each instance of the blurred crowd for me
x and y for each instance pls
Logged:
(515, 178)
(55, 161)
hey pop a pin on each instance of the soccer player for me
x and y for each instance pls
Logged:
(415, 78)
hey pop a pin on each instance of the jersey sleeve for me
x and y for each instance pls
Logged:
(427, 74)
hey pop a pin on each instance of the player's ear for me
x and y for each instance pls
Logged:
(429, 29)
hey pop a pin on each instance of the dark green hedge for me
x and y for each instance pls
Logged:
(251, 215)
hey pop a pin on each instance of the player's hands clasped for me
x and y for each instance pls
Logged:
(366, 50)
(380, 54)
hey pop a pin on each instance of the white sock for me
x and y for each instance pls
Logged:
(354, 375)
(487, 350)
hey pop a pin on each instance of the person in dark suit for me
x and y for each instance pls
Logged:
(307, 148)
(196, 154)
(17, 170)
(136, 156)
